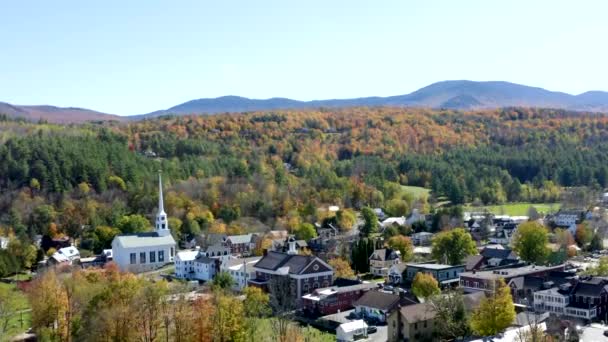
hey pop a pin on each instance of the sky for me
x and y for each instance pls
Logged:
(137, 56)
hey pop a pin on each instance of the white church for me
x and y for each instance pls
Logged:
(147, 251)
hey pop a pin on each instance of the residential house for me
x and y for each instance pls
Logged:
(196, 265)
(395, 273)
(444, 274)
(376, 305)
(499, 257)
(412, 323)
(586, 299)
(240, 244)
(184, 264)
(305, 272)
(524, 287)
(484, 280)
(422, 238)
(382, 259)
(393, 222)
(414, 217)
(568, 218)
(417, 322)
(241, 270)
(329, 300)
(67, 255)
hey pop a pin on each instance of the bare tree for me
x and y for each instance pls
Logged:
(283, 305)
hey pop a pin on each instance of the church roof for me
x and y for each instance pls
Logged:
(148, 239)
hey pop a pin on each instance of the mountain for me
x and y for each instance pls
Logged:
(56, 114)
(462, 95)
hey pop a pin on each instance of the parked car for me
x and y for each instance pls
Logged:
(371, 330)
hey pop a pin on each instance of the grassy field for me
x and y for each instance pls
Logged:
(416, 191)
(516, 209)
(264, 333)
(15, 325)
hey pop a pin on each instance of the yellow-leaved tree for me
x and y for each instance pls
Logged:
(496, 312)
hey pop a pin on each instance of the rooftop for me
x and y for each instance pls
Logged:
(149, 239)
(377, 300)
(510, 272)
(432, 266)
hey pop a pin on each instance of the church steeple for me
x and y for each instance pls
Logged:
(162, 225)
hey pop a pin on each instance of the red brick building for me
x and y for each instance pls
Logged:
(329, 300)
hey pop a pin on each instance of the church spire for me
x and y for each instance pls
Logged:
(161, 207)
(162, 224)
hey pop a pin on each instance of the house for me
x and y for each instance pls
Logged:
(414, 217)
(393, 222)
(67, 255)
(422, 238)
(382, 259)
(376, 305)
(329, 300)
(241, 270)
(412, 323)
(499, 257)
(199, 264)
(524, 287)
(184, 264)
(147, 251)
(351, 331)
(483, 280)
(395, 273)
(417, 322)
(444, 274)
(568, 218)
(586, 299)
(305, 272)
(492, 256)
(240, 244)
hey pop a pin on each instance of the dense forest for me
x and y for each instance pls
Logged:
(94, 180)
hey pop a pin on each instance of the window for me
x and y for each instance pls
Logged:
(142, 257)
(132, 258)
(163, 225)
(153, 257)
(172, 252)
(161, 256)
(416, 326)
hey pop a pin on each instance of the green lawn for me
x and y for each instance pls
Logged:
(416, 191)
(15, 325)
(516, 209)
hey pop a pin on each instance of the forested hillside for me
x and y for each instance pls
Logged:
(94, 180)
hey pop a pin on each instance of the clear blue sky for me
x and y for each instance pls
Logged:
(131, 57)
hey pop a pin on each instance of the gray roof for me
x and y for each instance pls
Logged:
(275, 260)
(239, 261)
(378, 300)
(149, 239)
(204, 260)
(418, 312)
(384, 254)
(240, 238)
